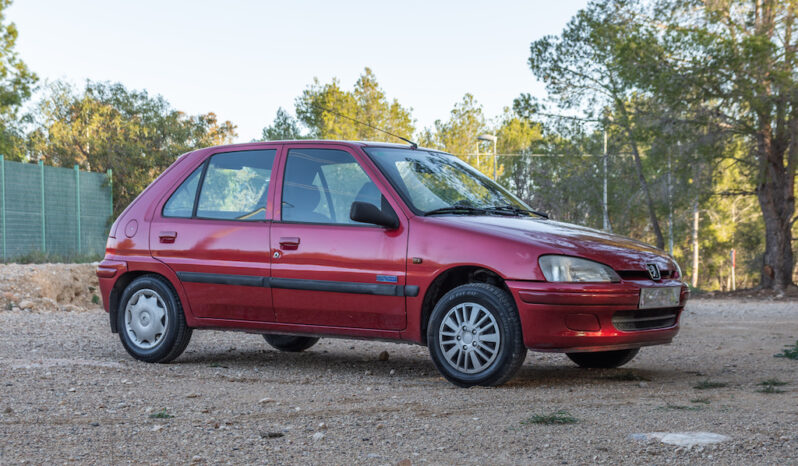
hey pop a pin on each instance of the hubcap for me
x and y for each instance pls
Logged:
(146, 319)
(469, 338)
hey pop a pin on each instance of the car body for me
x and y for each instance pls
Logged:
(286, 269)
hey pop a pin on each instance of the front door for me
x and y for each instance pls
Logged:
(213, 232)
(326, 268)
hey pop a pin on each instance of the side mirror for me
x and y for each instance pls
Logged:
(365, 212)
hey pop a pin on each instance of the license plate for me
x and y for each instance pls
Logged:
(665, 296)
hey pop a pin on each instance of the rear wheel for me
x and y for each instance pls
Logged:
(603, 359)
(474, 336)
(289, 343)
(151, 322)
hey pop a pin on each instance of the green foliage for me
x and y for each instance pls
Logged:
(769, 386)
(16, 85)
(556, 418)
(321, 106)
(703, 401)
(709, 385)
(39, 257)
(162, 414)
(106, 126)
(284, 127)
(789, 352)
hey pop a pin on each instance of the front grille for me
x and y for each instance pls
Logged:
(644, 319)
(643, 274)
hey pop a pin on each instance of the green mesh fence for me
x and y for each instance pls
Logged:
(52, 210)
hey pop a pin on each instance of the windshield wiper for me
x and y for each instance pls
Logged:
(516, 210)
(456, 209)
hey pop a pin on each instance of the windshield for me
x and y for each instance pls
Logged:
(433, 181)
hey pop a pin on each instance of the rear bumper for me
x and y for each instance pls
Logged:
(107, 273)
(573, 317)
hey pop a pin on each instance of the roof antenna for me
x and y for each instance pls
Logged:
(413, 145)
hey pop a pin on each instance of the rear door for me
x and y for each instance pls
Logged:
(327, 269)
(213, 231)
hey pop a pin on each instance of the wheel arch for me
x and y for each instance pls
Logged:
(119, 287)
(451, 278)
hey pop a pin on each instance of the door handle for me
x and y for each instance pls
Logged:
(167, 236)
(289, 243)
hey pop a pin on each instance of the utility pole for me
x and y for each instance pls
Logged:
(694, 278)
(605, 208)
(670, 208)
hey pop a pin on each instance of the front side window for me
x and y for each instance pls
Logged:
(236, 185)
(320, 186)
(429, 181)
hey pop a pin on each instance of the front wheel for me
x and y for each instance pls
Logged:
(603, 359)
(289, 343)
(474, 336)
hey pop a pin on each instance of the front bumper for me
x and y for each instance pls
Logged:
(578, 317)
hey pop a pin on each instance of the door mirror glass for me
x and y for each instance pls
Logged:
(365, 212)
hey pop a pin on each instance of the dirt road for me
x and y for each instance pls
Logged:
(69, 393)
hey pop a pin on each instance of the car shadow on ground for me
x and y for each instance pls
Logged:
(315, 363)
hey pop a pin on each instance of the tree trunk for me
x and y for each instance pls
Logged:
(694, 275)
(776, 194)
(778, 260)
(652, 213)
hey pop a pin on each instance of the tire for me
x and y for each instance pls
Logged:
(494, 349)
(603, 359)
(289, 343)
(146, 335)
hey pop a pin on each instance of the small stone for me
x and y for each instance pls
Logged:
(380, 426)
(404, 462)
(643, 384)
(368, 372)
(193, 395)
(157, 428)
(393, 372)
(322, 426)
(72, 390)
(383, 356)
(271, 434)
(265, 400)
(318, 436)
(196, 459)
(8, 410)
(25, 304)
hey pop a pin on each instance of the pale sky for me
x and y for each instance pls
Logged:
(244, 59)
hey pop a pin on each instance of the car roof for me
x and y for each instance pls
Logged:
(319, 141)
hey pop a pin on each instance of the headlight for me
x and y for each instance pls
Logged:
(574, 269)
(678, 269)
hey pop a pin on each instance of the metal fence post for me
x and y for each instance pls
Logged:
(3, 208)
(44, 227)
(77, 195)
(111, 189)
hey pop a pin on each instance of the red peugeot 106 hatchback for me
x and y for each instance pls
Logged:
(301, 239)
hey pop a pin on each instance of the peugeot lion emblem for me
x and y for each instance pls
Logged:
(653, 270)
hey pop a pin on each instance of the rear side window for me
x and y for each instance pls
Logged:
(181, 204)
(234, 186)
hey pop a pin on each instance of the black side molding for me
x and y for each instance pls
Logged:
(377, 289)
(223, 279)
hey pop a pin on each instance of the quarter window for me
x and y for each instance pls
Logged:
(181, 204)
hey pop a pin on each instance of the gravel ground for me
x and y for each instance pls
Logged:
(71, 394)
